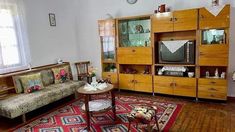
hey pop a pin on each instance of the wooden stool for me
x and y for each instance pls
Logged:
(143, 114)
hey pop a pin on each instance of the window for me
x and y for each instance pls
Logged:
(12, 45)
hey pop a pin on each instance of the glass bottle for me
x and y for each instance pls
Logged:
(214, 40)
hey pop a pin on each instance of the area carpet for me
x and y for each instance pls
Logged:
(70, 117)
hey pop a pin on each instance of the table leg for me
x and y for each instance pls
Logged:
(87, 111)
(113, 104)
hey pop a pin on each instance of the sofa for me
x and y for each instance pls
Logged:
(22, 103)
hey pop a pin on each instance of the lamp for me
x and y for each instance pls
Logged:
(234, 76)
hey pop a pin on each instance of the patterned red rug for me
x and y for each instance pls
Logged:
(71, 119)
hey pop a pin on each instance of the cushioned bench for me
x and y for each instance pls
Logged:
(22, 103)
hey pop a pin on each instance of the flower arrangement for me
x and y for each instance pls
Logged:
(92, 71)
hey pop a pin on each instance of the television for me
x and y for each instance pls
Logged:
(176, 52)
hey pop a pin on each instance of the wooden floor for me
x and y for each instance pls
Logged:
(201, 116)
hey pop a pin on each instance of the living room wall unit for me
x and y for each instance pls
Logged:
(204, 49)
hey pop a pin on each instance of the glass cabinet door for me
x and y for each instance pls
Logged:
(134, 33)
(108, 48)
(213, 36)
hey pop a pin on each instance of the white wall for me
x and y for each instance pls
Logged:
(47, 43)
(89, 11)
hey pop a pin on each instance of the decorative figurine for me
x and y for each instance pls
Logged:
(216, 73)
(222, 75)
(207, 74)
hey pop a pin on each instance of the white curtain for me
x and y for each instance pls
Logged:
(14, 49)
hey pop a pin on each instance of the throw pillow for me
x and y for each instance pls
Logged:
(61, 74)
(47, 77)
(18, 85)
(32, 82)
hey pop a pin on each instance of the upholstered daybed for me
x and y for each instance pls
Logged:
(22, 102)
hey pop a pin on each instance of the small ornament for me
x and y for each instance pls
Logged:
(216, 73)
(207, 74)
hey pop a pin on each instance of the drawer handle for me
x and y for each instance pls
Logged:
(172, 84)
(201, 53)
(213, 89)
(213, 82)
(171, 19)
(133, 50)
(212, 95)
(201, 16)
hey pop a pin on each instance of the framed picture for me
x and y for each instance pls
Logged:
(52, 19)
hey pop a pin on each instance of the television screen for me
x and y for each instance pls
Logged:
(167, 56)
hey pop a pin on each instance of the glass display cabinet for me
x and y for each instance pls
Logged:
(134, 32)
(213, 36)
(107, 32)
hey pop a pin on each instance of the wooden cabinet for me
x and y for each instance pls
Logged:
(212, 88)
(143, 83)
(175, 21)
(126, 81)
(163, 85)
(112, 76)
(213, 55)
(134, 55)
(135, 82)
(175, 86)
(185, 87)
(208, 20)
(162, 22)
(107, 29)
(186, 20)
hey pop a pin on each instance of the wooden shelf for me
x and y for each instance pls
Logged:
(110, 72)
(173, 76)
(136, 74)
(6, 89)
(175, 65)
(109, 61)
(213, 78)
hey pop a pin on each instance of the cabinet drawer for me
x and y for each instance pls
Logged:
(212, 82)
(126, 81)
(185, 87)
(213, 55)
(143, 83)
(137, 55)
(208, 88)
(212, 95)
(163, 85)
(110, 75)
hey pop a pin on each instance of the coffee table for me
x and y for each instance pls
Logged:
(100, 105)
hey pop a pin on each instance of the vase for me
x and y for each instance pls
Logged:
(93, 79)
